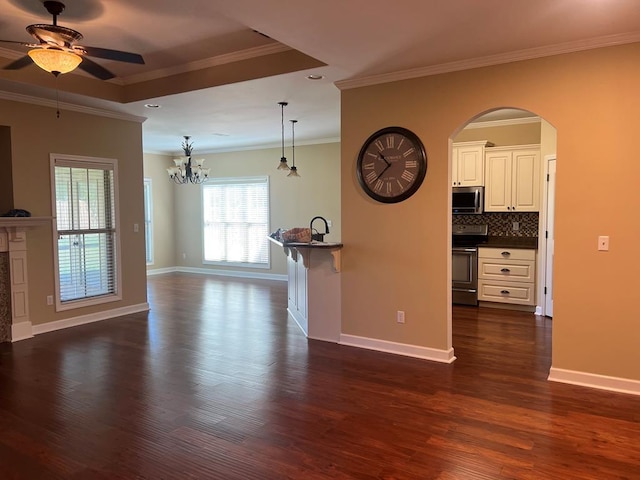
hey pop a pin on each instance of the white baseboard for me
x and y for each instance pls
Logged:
(233, 273)
(592, 380)
(21, 331)
(433, 354)
(90, 318)
(160, 271)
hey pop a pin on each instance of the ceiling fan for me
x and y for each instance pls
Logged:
(57, 44)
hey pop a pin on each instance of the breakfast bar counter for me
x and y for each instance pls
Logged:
(313, 276)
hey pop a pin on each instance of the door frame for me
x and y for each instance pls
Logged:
(542, 241)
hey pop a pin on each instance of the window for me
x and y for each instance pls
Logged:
(86, 260)
(148, 217)
(236, 221)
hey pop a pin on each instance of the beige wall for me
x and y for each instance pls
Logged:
(522, 134)
(6, 184)
(155, 168)
(35, 133)
(294, 201)
(400, 252)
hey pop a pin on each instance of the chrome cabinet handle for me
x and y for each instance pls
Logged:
(505, 270)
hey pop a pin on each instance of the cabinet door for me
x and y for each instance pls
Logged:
(526, 181)
(470, 170)
(454, 166)
(497, 193)
(291, 277)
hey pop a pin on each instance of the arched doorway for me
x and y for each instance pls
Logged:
(509, 147)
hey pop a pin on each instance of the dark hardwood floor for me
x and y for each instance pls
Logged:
(215, 383)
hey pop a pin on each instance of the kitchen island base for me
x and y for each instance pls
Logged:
(314, 298)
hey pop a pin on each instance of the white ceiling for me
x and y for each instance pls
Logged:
(360, 41)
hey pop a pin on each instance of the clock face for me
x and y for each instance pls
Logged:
(392, 164)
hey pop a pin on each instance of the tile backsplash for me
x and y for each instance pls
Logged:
(501, 224)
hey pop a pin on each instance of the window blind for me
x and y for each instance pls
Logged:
(85, 219)
(148, 220)
(236, 221)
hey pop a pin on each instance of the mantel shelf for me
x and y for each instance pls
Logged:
(24, 222)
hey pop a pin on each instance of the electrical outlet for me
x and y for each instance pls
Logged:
(400, 316)
(329, 223)
(136, 228)
(515, 226)
(603, 243)
(49, 299)
(184, 255)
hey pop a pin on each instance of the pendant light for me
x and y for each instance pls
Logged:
(294, 170)
(283, 160)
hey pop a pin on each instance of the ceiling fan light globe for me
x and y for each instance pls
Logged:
(54, 60)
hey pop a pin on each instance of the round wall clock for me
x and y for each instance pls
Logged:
(392, 164)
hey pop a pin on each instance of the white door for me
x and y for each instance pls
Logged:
(549, 243)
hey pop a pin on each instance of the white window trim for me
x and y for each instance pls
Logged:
(225, 180)
(150, 207)
(57, 159)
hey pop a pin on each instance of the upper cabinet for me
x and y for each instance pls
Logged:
(512, 179)
(468, 163)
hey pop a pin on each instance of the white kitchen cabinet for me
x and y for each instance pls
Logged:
(512, 179)
(468, 163)
(506, 275)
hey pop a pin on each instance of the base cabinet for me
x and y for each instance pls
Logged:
(314, 291)
(506, 275)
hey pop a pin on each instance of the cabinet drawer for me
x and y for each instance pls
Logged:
(507, 253)
(507, 270)
(503, 292)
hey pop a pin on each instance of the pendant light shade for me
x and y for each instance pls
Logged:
(294, 170)
(283, 160)
(54, 60)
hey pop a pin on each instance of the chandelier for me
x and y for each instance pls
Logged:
(187, 171)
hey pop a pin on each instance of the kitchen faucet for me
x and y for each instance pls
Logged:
(318, 236)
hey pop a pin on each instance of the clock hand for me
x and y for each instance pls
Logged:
(383, 170)
(385, 161)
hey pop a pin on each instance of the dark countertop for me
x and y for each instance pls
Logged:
(313, 244)
(512, 242)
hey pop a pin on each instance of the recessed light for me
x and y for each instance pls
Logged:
(151, 105)
(315, 77)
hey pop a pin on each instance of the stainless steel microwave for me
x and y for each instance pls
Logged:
(468, 200)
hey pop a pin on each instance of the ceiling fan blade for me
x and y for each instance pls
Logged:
(20, 63)
(94, 69)
(24, 44)
(113, 54)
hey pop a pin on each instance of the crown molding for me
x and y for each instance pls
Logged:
(224, 59)
(509, 57)
(503, 123)
(266, 146)
(44, 102)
